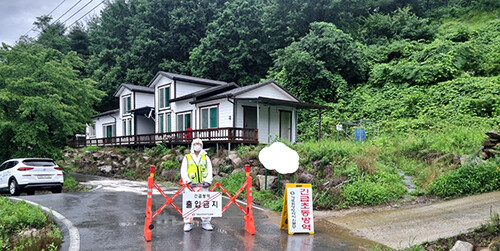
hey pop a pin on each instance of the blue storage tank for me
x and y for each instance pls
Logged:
(359, 134)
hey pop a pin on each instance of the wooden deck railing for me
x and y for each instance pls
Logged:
(216, 135)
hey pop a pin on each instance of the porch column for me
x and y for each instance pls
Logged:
(294, 125)
(258, 117)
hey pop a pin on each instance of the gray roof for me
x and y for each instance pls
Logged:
(106, 113)
(135, 88)
(190, 79)
(243, 89)
(207, 91)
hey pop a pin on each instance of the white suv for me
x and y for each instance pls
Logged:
(28, 175)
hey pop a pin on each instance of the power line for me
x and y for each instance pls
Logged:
(77, 11)
(68, 11)
(32, 28)
(86, 13)
(56, 7)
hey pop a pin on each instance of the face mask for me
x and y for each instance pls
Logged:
(197, 148)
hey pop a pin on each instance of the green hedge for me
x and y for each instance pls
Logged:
(470, 179)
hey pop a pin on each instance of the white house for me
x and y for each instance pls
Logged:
(175, 107)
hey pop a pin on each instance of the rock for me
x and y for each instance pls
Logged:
(490, 151)
(170, 175)
(338, 180)
(305, 177)
(493, 134)
(237, 161)
(463, 158)
(462, 246)
(216, 162)
(215, 170)
(105, 169)
(166, 157)
(237, 170)
(180, 158)
(490, 142)
(254, 171)
(262, 180)
(115, 164)
(216, 178)
(127, 161)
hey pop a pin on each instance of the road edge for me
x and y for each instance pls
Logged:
(74, 234)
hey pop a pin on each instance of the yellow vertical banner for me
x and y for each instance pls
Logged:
(297, 213)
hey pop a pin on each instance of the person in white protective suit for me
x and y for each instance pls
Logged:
(196, 170)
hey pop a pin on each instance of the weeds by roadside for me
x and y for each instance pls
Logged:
(26, 227)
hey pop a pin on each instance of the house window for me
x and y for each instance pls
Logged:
(109, 130)
(160, 121)
(124, 128)
(169, 119)
(209, 117)
(127, 104)
(164, 97)
(162, 124)
(127, 127)
(183, 121)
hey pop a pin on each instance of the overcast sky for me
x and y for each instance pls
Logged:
(17, 16)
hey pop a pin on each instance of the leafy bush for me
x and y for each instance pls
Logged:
(470, 179)
(159, 149)
(172, 164)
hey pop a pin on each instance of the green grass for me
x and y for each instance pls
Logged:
(71, 185)
(90, 148)
(16, 217)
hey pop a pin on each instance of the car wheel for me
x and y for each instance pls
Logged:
(14, 187)
(30, 192)
(57, 190)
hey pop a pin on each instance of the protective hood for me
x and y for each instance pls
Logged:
(197, 140)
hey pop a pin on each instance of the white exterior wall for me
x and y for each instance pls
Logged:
(144, 125)
(122, 116)
(160, 83)
(144, 99)
(185, 88)
(100, 121)
(225, 116)
(181, 107)
(268, 91)
(269, 120)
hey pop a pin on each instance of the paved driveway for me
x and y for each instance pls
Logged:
(111, 217)
(401, 227)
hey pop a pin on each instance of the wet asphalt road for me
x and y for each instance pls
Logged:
(111, 217)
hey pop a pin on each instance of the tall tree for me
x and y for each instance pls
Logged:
(52, 35)
(43, 100)
(233, 48)
(321, 62)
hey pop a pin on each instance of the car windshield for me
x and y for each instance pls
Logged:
(39, 163)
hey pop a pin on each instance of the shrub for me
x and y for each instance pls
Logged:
(470, 179)
(172, 164)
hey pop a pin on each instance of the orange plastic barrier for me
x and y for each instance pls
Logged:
(248, 211)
